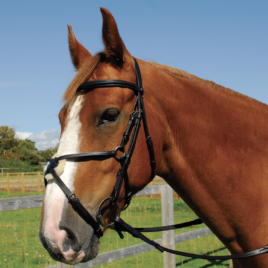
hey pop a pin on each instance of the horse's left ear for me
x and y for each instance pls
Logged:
(111, 38)
(79, 53)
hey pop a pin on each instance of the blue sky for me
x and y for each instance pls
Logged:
(222, 41)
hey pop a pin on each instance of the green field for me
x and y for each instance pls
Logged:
(7, 195)
(20, 246)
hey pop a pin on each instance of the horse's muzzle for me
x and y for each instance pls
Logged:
(65, 246)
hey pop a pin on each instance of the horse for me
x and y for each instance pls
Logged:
(210, 145)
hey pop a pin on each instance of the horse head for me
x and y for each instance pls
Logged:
(93, 120)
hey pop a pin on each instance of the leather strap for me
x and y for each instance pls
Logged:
(109, 83)
(77, 206)
(122, 226)
(101, 155)
(140, 114)
(169, 227)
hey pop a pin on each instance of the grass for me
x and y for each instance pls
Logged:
(8, 195)
(20, 246)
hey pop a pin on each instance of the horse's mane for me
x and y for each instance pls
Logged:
(207, 83)
(90, 65)
(83, 73)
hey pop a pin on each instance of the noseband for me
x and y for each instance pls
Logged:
(137, 114)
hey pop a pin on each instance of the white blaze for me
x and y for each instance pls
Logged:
(54, 198)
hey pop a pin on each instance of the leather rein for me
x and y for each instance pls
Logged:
(120, 226)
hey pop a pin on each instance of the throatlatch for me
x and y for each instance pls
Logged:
(137, 114)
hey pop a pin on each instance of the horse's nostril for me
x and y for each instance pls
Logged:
(70, 241)
(70, 236)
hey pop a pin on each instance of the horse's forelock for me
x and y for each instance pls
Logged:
(84, 73)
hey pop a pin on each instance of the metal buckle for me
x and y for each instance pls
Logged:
(127, 201)
(264, 249)
(71, 197)
(100, 218)
(121, 149)
(138, 113)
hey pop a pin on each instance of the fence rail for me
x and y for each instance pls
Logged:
(106, 257)
(122, 253)
(33, 181)
(22, 182)
(23, 202)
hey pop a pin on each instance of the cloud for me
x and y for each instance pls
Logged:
(23, 135)
(44, 140)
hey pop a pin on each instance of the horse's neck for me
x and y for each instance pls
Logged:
(208, 127)
(216, 148)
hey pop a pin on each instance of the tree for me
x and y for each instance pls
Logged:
(8, 142)
(47, 154)
(28, 144)
(14, 151)
(29, 155)
(27, 151)
(13, 148)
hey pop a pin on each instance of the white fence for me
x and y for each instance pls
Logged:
(169, 239)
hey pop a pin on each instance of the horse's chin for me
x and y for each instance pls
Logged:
(92, 250)
(86, 253)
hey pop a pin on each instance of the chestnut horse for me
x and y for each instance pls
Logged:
(210, 144)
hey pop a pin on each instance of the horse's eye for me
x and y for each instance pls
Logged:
(109, 116)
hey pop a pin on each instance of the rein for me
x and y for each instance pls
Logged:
(120, 226)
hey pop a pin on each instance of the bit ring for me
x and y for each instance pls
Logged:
(121, 149)
(100, 218)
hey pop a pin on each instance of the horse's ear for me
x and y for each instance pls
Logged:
(78, 52)
(111, 38)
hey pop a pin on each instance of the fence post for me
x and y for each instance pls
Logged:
(8, 183)
(38, 181)
(231, 263)
(23, 183)
(168, 219)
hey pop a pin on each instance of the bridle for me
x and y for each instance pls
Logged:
(138, 114)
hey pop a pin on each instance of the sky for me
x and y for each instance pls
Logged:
(224, 41)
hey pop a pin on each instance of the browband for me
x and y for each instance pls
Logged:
(109, 83)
